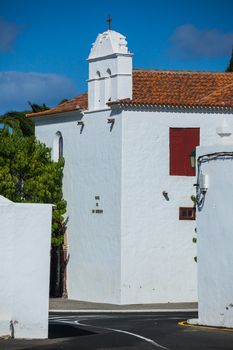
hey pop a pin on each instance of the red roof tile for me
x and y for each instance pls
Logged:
(180, 88)
(73, 104)
(167, 88)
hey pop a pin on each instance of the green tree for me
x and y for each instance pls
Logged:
(27, 174)
(230, 66)
(63, 101)
(18, 122)
(38, 108)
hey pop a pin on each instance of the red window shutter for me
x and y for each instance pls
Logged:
(182, 142)
(176, 151)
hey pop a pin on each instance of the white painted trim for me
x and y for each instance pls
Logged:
(109, 56)
(109, 76)
(57, 115)
(96, 110)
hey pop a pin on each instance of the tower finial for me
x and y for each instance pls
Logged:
(109, 20)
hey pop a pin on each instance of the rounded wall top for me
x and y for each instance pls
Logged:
(108, 43)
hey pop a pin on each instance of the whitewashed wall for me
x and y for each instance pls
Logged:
(24, 273)
(215, 242)
(110, 70)
(92, 168)
(118, 86)
(157, 249)
(137, 251)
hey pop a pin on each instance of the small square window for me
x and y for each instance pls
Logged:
(187, 213)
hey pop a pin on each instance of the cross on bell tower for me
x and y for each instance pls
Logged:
(109, 20)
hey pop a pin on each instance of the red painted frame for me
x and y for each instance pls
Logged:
(190, 211)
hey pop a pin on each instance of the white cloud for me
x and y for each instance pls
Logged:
(17, 88)
(8, 34)
(191, 42)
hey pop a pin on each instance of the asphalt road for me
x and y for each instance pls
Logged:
(125, 331)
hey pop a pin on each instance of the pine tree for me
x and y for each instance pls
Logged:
(230, 66)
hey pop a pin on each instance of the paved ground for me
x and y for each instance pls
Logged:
(67, 304)
(125, 331)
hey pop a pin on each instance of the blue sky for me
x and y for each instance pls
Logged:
(44, 43)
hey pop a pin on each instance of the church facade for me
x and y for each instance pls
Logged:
(128, 178)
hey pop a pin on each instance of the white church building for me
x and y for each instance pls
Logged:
(128, 177)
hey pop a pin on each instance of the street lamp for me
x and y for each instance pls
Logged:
(192, 157)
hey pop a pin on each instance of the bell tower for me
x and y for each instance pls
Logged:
(110, 70)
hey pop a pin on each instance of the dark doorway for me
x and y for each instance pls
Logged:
(57, 271)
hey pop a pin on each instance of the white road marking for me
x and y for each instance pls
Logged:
(68, 318)
(77, 320)
(99, 317)
(123, 311)
(125, 332)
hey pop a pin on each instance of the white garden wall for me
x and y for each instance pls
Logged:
(215, 242)
(24, 273)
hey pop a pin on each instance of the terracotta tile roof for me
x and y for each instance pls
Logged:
(167, 88)
(223, 96)
(181, 88)
(73, 104)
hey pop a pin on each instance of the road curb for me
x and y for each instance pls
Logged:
(200, 326)
(122, 311)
